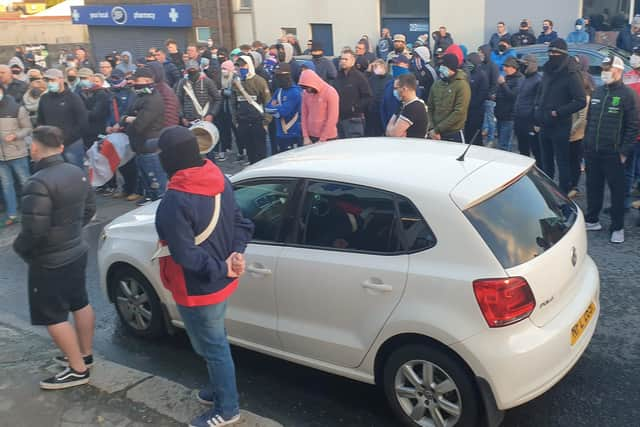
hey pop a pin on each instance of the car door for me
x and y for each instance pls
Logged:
(251, 315)
(342, 275)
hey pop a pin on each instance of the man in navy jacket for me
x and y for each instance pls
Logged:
(202, 276)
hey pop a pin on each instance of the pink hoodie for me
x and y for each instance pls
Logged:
(319, 110)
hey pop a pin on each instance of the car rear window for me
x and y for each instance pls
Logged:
(524, 220)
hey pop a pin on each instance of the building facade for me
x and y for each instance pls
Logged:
(338, 23)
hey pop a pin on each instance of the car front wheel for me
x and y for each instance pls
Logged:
(427, 387)
(137, 303)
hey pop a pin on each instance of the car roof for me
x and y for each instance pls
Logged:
(401, 165)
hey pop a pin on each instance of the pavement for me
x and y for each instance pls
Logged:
(117, 396)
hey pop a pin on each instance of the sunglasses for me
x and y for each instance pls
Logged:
(34, 79)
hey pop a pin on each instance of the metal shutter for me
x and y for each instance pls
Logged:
(105, 40)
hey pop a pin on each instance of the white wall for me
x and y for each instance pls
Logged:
(463, 19)
(350, 20)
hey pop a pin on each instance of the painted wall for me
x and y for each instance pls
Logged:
(563, 13)
(464, 19)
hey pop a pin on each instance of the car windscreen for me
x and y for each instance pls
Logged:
(524, 220)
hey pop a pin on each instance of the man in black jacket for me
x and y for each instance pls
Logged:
(10, 84)
(508, 87)
(144, 120)
(479, 93)
(492, 71)
(57, 202)
(355, 95)
(62, 108)
(612, 129)
(560, 95)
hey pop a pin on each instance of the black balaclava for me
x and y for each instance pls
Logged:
(283, 76)
(178, 150)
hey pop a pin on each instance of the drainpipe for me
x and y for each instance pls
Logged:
(220, 30)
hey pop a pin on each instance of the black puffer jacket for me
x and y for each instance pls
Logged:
(506, 96)
(612, 123)
(148, 109)
(57, 202)
(562, 91)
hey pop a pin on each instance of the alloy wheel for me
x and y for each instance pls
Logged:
(133, 303)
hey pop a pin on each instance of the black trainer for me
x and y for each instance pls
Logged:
(65, 379)
(64, 360)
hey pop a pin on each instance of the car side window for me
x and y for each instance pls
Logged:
(349, 217)
(416, 233)
(265, 204)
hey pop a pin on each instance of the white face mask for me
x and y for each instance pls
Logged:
(607, 77)
(379, 71)
(578, 27)
(635, 61)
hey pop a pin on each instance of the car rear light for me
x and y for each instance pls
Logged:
(504, 301)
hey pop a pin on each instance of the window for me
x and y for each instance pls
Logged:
(408, 8)
(524, 220)
(347, 217)
(246, 4)
(607, 15)
(416, 234)
(203, 34)
(265, 204)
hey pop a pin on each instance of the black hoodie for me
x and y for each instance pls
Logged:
(491, 70)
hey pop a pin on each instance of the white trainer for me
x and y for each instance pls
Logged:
(617, 236)
(593, 226)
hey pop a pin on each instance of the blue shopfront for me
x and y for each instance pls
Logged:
(409, 17)
(135, 28)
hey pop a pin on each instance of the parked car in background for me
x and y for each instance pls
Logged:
(462, 288)
(595, 52)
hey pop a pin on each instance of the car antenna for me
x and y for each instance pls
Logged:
(461, 158)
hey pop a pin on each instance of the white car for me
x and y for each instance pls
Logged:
(462, 287)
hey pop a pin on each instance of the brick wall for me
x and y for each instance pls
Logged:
(205, 14)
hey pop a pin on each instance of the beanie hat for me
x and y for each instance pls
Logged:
(178, 149)
(142, 72)
(474, 58)
(400, 38)
(559, 46)
(450, 61)
(228, 65)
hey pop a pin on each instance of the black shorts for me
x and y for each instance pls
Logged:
(54, 292)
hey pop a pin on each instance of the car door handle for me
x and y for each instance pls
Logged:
(377, 287)
(259, 270)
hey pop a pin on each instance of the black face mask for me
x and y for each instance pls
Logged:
(556, 61)
(72, 79)
(193, 74)
(281, 55)
(283, 82)
(317, 56)
(16, 72)
(502, 48)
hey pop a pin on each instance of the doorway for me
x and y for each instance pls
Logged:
(323, 33)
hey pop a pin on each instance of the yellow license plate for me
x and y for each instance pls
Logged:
(582, 323)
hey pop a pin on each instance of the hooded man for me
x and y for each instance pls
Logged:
(250, 94)
(126, 64)
(385, 44)
(493, 72)
(355, 95)
(223, 120)
(448, 102)
(612, 132)
(286, 108)
(479, 84)
(202, 275)
(580, 34)
(169, 98)
(285, 56)
(323, 66)
(11, 85)
(523, 112)
(423, 70)
(524, 37)
(320, 109)
(31, 98)
(561, 94)
(17, 69)
(198, 95)
(30, 62)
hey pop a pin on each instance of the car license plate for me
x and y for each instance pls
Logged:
(582, 323)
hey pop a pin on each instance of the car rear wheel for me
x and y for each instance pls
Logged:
(427, 387)
(137, 303)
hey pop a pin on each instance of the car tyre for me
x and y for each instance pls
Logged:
(137, 303)
(449, 399)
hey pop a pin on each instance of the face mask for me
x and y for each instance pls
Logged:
(244, 72)
(204, 63)
(443, 72)
(607, 77)
(283, 81)
(85, 84)
(317, 56)
(53, 87)
(15, 72)
(72, 79)
(578, 27)
(397, 70)
(379, 71)
(396, 95)
(193, 74)
(545, 28)
(556, 60)
(502, 48)
(143, 89)
(635, 61)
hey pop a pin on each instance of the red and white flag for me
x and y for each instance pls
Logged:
(106, 156)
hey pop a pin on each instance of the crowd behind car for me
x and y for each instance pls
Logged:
(265, 99)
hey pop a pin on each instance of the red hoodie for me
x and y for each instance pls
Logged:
(319, 110)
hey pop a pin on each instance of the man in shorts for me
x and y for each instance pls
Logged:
(57, 202)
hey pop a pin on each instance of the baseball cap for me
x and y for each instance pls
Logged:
(400, 38)
(613, 62)
(53, 73)
(511, 62)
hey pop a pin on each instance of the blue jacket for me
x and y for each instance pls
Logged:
(627, 40)
(495, 39)
(285, 104)
(197, 275)
(547, 38)
(124, 99)
(499, 59)
(578, 36)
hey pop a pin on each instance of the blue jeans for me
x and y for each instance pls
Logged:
(19, 167)
(505, 134)
(74, 153)
(152, 179)
(489, 123)
(632, 173)
(205, 327)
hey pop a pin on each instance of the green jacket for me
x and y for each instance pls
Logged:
(448, 103)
